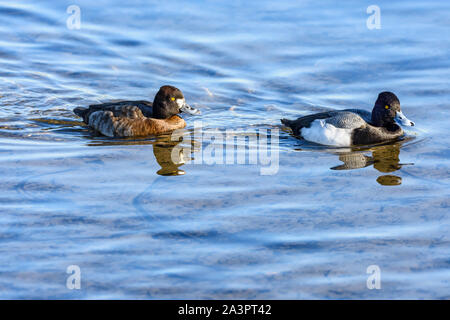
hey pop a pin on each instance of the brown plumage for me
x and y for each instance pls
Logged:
(133, 124)
(137, 118)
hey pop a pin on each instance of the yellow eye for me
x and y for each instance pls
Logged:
(173, 99)
(386, 107)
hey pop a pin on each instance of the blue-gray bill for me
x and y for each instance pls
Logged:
(188, 109)
(402, 120)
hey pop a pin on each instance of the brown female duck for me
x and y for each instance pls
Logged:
(138, 118)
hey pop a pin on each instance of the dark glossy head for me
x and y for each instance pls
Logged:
(167, 102)
(387, 112)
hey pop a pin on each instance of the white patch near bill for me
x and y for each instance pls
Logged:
(327, 134)
(180, 102)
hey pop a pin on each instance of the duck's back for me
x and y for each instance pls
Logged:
(126, 119)
(120, 108)
(346, 119)
(366, 115)
(343, 119)
(334, 128)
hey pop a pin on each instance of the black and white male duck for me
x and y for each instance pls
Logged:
(351, 127)
(138, 118)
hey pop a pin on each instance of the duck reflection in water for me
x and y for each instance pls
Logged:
(384, 158)
(167, 156)
(169, 159)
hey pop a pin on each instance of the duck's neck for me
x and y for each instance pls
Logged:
(392, 127)
(159, 113)
(389, 124)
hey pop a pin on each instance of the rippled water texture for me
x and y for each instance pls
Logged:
(140, 224)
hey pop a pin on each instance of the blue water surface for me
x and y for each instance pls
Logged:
(141, 225)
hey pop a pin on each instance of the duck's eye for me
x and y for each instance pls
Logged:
(386, 107)
(173, 99)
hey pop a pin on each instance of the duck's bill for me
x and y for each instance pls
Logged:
(188, 109)
(402, 120)
(184, 107)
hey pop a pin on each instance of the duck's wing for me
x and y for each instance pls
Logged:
(366, 115)
(131, 123)
(120, 108)
(115, 120)
(346, 120)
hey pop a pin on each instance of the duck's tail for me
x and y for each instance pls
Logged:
(81, 112)
(286, 122)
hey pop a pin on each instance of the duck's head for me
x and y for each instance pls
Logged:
(387, 111)
(170, 101)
